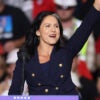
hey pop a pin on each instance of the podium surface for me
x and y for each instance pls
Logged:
(38, 97)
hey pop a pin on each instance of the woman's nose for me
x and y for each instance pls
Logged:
(53, 29)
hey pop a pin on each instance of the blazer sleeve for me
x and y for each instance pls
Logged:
(81, 35)
(17, 81)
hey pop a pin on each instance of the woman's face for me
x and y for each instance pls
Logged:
(49, 31)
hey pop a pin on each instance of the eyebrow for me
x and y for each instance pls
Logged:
(50, 23)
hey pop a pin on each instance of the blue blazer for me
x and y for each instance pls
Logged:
(58, 81)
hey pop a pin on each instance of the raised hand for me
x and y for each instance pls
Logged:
(97, 5)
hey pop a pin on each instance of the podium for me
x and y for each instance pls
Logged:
(39, 97)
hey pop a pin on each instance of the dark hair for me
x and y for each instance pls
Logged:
(32, 39)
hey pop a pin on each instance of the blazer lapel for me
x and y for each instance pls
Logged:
(38, 69)
(53, 67)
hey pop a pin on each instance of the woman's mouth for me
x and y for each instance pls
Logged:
(52, 35)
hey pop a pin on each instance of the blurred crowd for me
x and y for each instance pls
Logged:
(16, 17)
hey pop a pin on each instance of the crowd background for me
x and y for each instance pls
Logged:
(16, 17)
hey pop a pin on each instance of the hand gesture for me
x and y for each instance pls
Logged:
(97, 5)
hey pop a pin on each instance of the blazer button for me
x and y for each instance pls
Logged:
(60, 65)
(61, 76)
(57, 88)
(46, 90)
(33, 74)
(39, 84)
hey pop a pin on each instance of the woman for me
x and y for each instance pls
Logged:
(48, 58)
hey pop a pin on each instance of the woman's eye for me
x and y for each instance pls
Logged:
(57, 26)
(47, 25)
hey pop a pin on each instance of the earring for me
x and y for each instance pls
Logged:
(37, 33)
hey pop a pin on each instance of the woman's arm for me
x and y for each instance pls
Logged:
(17, 81)
(81, 35)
